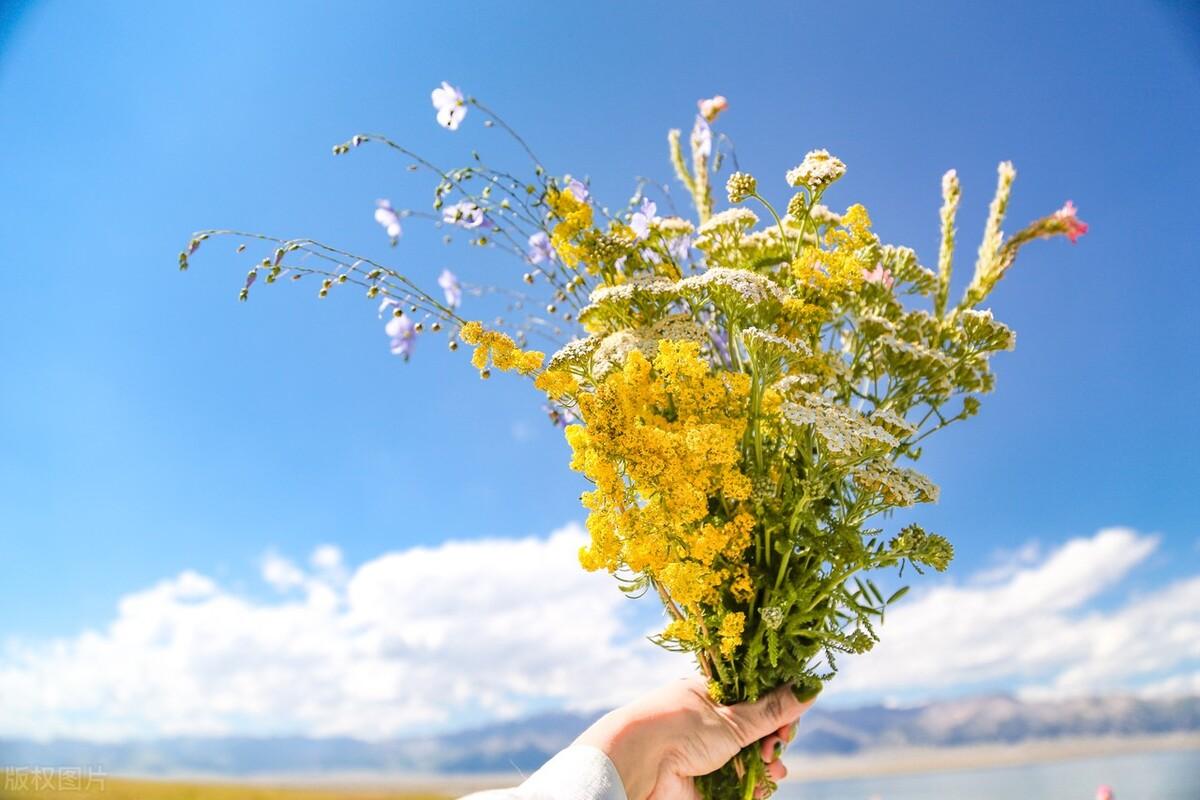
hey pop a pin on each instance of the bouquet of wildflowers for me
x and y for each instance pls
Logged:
(746, 389)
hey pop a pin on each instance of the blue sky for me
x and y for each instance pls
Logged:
(150, 424)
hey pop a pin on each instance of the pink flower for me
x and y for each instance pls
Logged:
(448, 100)
(881, 276)
(578, 189)
(1074, 226)
(712, 106)
(401, 329)
(386, 216)
(643, 218)
(450, 287)
(465, 214)
(403, 335)
(540, 248)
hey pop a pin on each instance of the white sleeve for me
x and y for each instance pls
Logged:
(581, 772)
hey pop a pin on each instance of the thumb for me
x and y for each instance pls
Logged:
(769, 713)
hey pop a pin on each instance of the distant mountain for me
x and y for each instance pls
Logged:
(525, 744)
(991, 719)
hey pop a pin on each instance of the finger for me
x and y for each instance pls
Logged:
(777, 770)
(772, 747)
(753, 721)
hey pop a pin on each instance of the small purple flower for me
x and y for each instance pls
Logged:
(642, 219)
(403, 334)
(465, 214)
(679, 246)
(386, 216)
(720, 344)
(451, 287)
(540, 249)
(701, 137)
(448, 100)
(560, 416)
(579, 189)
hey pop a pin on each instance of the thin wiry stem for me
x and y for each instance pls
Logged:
(537, 162)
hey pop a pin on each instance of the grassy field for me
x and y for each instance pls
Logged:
(18, 787)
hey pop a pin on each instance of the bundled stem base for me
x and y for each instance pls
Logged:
(738, 779)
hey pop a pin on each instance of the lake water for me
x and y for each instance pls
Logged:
(1140, 776)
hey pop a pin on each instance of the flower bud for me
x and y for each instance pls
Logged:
(797, 205)
(740, 186)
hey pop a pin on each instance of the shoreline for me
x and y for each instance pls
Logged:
(802, 768)
(929, 760)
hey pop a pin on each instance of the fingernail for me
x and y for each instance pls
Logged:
(807, 691)
(793, 729)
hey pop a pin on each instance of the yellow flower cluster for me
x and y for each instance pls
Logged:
(574, 220)
(681, 630)
(801, 319)
(557, 383)
(662, 445)
(731, 632)
(839, 267)
(501, 349)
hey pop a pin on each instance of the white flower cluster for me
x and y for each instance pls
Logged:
(613, 349)
(756, 337)
(679, 328)
(736, 220)
(823, 215)
(802, 381)
(762, 239)
(672, 226)
(843, 430)
(574, 352)
(768, 241)
(818, 170)
(750, 286)
(898, 486)
(915, 350)
(984, 332)
(905, 268)
(772, 617)
(652, 285)
(893, 422)
(871, 326)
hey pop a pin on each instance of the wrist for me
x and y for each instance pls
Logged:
(622, 736)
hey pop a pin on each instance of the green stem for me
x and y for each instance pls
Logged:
(778, 221)
(752, 775)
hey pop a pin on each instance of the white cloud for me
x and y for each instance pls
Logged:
(448, 636)
(429, 637)
(1032, 630)
(1174, 686)
(327, 558)
(1008, 562)
(280, 573)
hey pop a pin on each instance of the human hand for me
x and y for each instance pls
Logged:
(662, 741)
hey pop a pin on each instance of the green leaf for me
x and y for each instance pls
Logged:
(875, 591)
(903, 590)
(862, 590)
